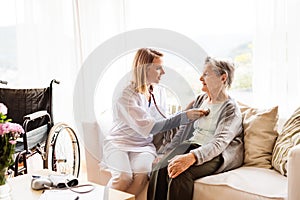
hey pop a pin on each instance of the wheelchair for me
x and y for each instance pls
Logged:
(57, 143)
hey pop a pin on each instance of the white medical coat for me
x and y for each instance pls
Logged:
(133, 120)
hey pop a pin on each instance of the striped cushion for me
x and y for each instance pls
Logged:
(289, 137)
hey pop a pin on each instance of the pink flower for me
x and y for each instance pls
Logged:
(9, 132)
(12, 141)
(3, 109)
(9, 127)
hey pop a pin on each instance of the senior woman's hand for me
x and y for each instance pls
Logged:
(180, 163)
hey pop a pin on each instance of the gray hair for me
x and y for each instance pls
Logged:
(221, 67)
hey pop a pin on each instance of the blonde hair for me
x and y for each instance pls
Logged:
(143, 58)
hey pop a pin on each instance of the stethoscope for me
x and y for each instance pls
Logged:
(152, 97)
(207, 110)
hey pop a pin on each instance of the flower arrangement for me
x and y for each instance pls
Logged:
(9, 132)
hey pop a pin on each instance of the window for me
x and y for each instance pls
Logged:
(221, 28)
(8, 41)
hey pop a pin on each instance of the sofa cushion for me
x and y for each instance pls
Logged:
(260, 134)
(288, 138)
(242, 183)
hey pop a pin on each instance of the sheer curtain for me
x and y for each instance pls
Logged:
(47, 49)
(276, 55)
(98, 21)
(54, 37)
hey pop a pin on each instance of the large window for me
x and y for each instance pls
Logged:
(52, 38)
(8, 47)
(222, 28)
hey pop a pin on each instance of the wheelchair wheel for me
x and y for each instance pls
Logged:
(62, 152)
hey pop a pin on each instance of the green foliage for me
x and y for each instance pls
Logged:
(3, 118)
(243, 59)
(6, 155)
(8, 135)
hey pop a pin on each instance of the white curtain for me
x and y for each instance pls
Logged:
(47, 49)
(54, 37)
(98, 21)
(276, 63)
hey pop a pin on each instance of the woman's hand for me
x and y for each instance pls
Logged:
(193, 114)
(180, 163)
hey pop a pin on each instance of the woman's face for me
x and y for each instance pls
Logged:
(210, 80)
(155, 71)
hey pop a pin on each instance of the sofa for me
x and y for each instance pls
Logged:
(262, 176)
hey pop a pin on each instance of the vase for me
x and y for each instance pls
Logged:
(5, 192)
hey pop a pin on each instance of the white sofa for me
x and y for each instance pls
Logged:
(252, 183)
(242, 183)
(245, 182)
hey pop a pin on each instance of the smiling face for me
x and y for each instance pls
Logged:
(155, 71)
(212, 82)
(147, 69)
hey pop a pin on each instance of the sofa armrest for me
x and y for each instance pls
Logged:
(293, 173)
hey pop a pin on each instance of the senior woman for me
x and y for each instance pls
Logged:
(212, 144)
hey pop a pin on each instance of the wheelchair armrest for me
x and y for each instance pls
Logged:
(36, 115)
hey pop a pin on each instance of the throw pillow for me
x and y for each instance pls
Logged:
(260, 135)
(288, 138)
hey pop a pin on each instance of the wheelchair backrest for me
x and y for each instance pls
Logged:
(21, 102)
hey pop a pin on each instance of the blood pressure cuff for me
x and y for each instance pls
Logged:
(61, 181)
(53, 181)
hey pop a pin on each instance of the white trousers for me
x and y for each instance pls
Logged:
(129, 170)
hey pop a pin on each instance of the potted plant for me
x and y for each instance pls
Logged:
(9, 132)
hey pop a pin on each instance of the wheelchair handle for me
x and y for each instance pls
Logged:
(55, 81)
(3, 82)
